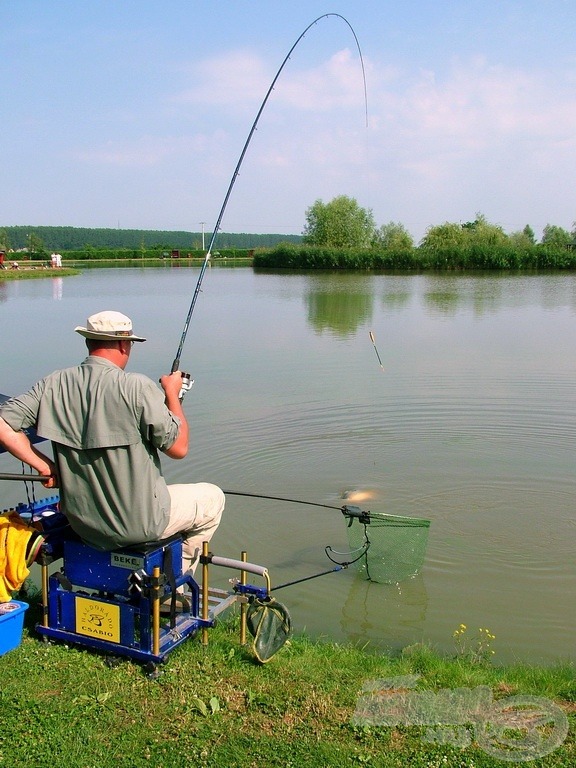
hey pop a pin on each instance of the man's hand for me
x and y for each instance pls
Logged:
(171, 383)
(50, 482)
(46, 468)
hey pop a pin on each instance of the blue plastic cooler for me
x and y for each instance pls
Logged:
(11, 625)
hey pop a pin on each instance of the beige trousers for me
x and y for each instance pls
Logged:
(195, 512)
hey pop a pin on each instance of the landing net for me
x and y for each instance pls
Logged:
(386, 548)
(270, 625)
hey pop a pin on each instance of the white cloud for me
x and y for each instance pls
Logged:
(238, 77)
(482, 135)
(479, 107)
(234, 78)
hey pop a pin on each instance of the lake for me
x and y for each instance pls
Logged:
(471, 425)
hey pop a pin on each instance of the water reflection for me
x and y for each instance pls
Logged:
(336, 305)
(389, 617)
(396, 300)
(445, 301)
(484, 294)
(57, 288)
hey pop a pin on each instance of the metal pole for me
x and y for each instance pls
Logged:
(205, 593)
(243, 604)
(156, 610)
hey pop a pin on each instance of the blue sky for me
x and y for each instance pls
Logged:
(133, 113)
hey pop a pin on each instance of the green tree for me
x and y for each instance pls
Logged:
(4, 240)
(443, 236)
(528, 232)
(393, 237)
(476, 244)
(36, 245)
(481, 232)
(341, 223)
(555, 236)
(523, 241)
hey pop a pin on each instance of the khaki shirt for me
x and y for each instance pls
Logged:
(106, 428)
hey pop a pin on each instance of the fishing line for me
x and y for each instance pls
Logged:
(281, 498)
(30, 489)
(363, 549)
(176, 363)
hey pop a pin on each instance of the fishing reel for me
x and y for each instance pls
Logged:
(187, 382)
(351, 513)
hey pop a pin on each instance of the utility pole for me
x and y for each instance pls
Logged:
(202, 225)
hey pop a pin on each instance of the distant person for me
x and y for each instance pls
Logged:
(2, 256)
(107, 427)
(53, 260)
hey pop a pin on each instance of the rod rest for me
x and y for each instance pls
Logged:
(239, 565)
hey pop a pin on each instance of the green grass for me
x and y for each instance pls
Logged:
(33, 273)
(63, 706)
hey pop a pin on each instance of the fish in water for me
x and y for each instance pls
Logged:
(358, 496)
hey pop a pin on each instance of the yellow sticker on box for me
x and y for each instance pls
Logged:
(95, 618)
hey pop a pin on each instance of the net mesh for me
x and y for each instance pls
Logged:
(270, 625)
(388, 548)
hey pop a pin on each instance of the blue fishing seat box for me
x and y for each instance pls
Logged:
(11, 625)
(110, 571)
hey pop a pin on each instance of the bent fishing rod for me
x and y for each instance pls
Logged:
(176, 363)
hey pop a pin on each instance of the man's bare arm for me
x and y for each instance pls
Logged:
(171, 384)
(18, 444)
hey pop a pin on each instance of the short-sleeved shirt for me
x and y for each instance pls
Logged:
(106, 428)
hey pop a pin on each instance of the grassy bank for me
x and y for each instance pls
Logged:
(29, 271)
(164, 263)
(217, 707)
(32, 273)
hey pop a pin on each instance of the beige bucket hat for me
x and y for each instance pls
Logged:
(108, 325)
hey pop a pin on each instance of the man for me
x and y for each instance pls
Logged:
(106, 428)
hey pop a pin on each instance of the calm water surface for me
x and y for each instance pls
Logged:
(472, 425)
